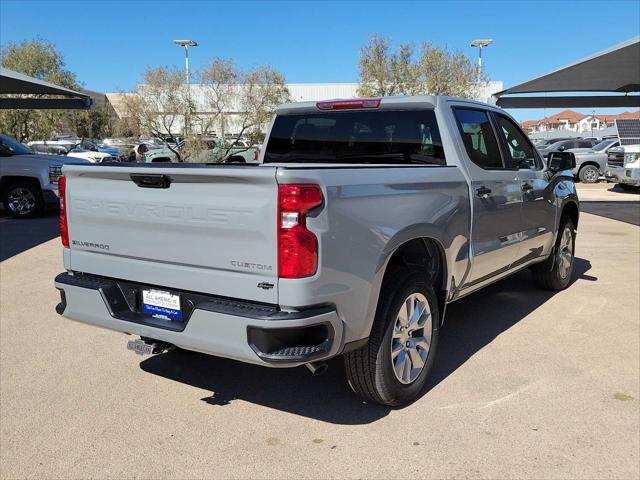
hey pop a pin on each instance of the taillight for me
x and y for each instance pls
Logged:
(55, 172)
(64, 229)
(348, 104)
(297, 246)
(256, 154)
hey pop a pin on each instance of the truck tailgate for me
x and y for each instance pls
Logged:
(213, 230)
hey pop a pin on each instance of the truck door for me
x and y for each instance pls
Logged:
(496, 196)
(538, 208)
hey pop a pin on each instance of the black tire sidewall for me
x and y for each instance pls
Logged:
(390, 388)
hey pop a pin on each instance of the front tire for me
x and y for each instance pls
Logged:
(555, 272)
(393, 367)
(23, 199)
(589, 174)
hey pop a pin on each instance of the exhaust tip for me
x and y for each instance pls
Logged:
(317, 368)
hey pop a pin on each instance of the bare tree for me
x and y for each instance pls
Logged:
(437, 71)
(160, 105)
(244, 101)
(219, 81)
(383, 72)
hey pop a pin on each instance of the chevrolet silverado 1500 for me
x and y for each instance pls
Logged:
(362, 220)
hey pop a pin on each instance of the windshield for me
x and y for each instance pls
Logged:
(603, 144)
(12, 147)
(380, 137)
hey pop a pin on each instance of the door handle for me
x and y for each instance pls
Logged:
(527, 187)
(483, 192)
(151, 180)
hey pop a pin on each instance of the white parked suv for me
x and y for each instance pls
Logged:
(29, 181)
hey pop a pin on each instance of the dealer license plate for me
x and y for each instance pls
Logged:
(161, 304)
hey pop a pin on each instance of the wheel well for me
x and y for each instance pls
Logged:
(424, 253)
(594, 164)
(8, 180)
(571, 210)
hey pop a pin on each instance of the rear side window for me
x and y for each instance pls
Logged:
(478, 137)
(365, 137)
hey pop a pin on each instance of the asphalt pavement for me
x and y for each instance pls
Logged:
(527, 383)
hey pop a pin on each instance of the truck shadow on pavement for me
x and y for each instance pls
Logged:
(17, 236)
(328, 398)
(621, 210)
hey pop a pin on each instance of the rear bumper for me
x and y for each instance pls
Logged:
(253, 333)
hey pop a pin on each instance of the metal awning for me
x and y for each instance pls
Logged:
(614, 70)
(14, 83)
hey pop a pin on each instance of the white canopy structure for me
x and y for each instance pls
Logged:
(614, 70)
(16, 85)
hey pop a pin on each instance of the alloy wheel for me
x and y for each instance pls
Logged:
(411, 338)
(565, 253)
(21, 201)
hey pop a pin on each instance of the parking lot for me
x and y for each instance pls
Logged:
(527, 383)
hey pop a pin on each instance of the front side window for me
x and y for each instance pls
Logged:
(478, 137)
(363, 137)
(519, 148)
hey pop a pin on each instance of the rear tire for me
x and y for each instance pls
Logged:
(589, 174)
(393, 367)
(555, 272)
(23, 199)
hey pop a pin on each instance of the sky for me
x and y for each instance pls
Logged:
(108, 44)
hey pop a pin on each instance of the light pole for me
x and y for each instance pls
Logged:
(481, 42)
(186, 44)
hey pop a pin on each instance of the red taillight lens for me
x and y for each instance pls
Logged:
(297, 246)
(64, 230)
(348, 104)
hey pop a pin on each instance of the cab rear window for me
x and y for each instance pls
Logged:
(361, 137)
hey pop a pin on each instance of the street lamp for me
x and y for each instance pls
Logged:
(481, 42)
(186, 44)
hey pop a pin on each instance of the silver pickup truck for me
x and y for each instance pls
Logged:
(362, 221)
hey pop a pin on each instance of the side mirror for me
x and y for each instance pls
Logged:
(559, 161)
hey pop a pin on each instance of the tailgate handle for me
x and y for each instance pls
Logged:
(151, 180)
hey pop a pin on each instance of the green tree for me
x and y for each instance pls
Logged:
(383, 72)
(436, 71)
(445, 72)
(37, 58)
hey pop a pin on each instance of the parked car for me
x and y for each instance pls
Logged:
(148, 152)
(544, 142)
(591, 162)
(563, 145)
(28, 181)
(229, 151)
(84, 149)
(92, 155)
(364, 220)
